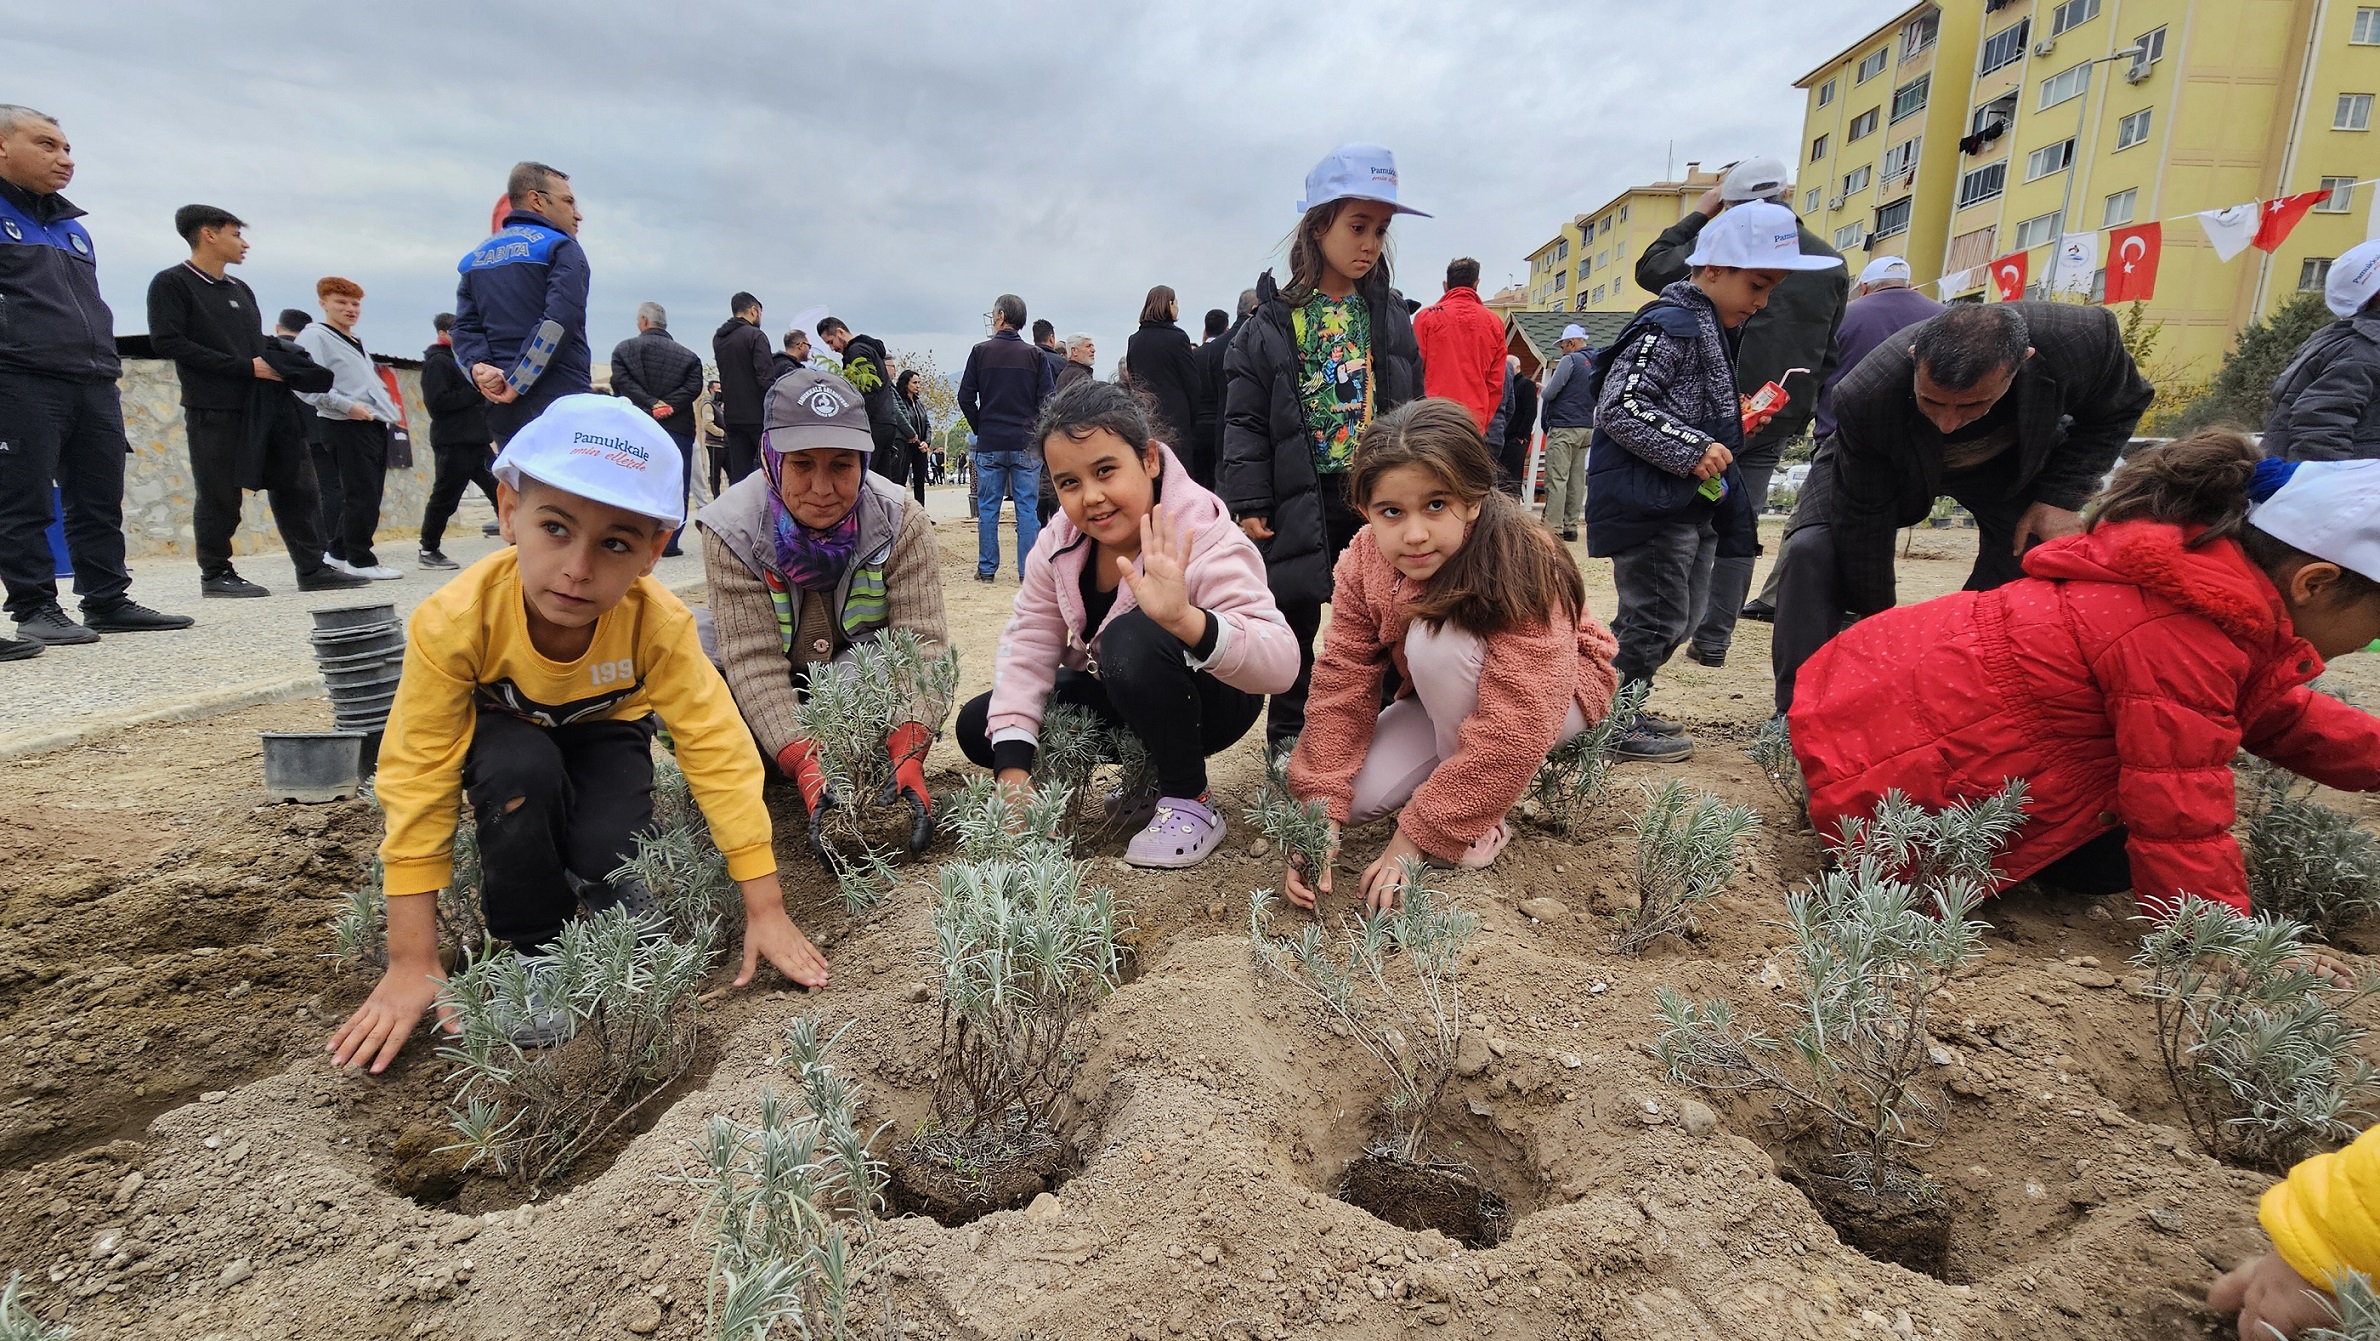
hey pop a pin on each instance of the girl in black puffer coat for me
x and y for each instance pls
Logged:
(1315, 363)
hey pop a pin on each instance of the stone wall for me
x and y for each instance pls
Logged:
(157, 498)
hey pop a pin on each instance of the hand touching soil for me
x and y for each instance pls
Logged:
(2271, 1299)
(377, 1031)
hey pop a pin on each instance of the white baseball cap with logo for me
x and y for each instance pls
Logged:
(1574, 331)
(1886, 269)
(1756, 235)
(600, 448)
(1757, 178)
(2354, 280)
(1355, 172)
(2329, 509)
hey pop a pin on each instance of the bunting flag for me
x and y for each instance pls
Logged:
(2077, 260)
(2008, 276)
(1950, 286)
(2132, 256)
(2232, 230)
(2275, 218)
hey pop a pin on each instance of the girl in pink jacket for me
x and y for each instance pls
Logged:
(1484, 618)
(1144, 603)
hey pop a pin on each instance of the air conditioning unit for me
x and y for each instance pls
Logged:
(1835, 203)
(2136, 73)
(2045, 46)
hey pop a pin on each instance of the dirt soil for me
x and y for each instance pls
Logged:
(177, 1158)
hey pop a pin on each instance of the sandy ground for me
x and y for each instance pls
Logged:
(177, 1160)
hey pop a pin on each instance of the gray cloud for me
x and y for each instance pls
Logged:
(901, 163)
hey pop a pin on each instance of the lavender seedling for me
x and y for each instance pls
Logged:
(2256, 1042)
(1300, 829)
(1575, 776)
(1394, 989)
(1873, 940)
(849, 714)
(2355, 1309)
(17, 1323)
(2306, 861)
(1772, 754)
(1685, 857)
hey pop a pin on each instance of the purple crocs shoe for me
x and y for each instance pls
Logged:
(1181, 834)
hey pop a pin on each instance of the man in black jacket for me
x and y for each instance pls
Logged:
(60, 412)
(1207, 446)
(794, 357)
(2326, 403)
(459, 438)
(868, 367)
(2015, 410)
(235, 409)
(1795, 331)
(741, 349)
(661, 377)
(1000, 393)
(1519, 416)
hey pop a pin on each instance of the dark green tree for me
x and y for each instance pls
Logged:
(2241, 394)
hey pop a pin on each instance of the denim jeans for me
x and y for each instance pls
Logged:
(1014, 476)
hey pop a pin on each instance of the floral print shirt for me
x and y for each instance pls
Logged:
(1334, 354)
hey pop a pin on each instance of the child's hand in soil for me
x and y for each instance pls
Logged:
(2325, 964)
(769, 934)
(1298, 891)
(377, 1030)
(1386, 875)
(2271, 1299)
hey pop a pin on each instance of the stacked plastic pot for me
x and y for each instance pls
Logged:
(361, 650)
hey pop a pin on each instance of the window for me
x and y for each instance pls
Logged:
(1599, 293)
(1919, 33)
(1983, 183)
(1910, 97)
(2312, 273)
(2152, 47)
(2341, 190)
(1603, 260)
(2367, 28)
(1872, 66)
(1901, 158)
(2066, 85)
(1562, 250)
(2354, 112)
(1850, 235)
(1606, 223)
(2133, 129)
(1818, 148)
(2049, 158)
(2039, 229)
(1993, 116)
(1826, 93)
(1623, 214)
(2005, 47)
(2072, 14)
(1893, 218)
(1856, 180)
(1561, 280)
(1585, 268)
(1864, 125)
(2119, 208)
(1810, 201)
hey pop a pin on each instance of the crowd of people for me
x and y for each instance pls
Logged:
(2137, 613)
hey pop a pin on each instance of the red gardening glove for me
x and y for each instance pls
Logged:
(906, 747)
(799, 761)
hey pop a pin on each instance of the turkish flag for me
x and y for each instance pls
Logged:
(2132, 255)
(2274, 218)
(2008, 274)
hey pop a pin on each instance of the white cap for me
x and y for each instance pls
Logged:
(2329, 509)
(1574, 331)
(2354, 280)
(1354, 172)
(600, 448)
(1885, 269)
(1756, 235)
(1755, 179)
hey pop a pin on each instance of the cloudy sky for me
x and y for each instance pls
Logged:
(899, 163)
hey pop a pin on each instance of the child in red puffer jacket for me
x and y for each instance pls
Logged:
(2120, 676)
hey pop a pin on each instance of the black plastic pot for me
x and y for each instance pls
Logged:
(353, 617)
(312, 766)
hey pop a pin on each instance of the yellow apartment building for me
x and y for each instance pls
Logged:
(2085, 115)
(1882, 122)
(1589, 264)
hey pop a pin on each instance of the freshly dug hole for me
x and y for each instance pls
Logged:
(954, 1178)
(1914, 1233)
(1446, 1197)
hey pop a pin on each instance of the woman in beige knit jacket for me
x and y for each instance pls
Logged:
(808, 556)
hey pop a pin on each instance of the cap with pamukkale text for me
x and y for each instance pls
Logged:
(1756, 235)
(1355, 172)
(2354, 280)
(600, 448)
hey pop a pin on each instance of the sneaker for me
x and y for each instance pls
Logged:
(987, 578)
(18, 649)
(1482, 854)
(1699, 657)
(229, 584)
(491, 529)
(1652, 746)
(378, 572)
(1646, 721)
(1758, 611)
(332, 561)
(1129, 812)
(50, 627)
(545, 1020)
(597, 896)
(1180, 834)
(1569, 533)
(327, 578)
(133, 617)
(430, 558)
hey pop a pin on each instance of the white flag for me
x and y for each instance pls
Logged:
(2077, 259)
(1949, 285)
(2231, 230)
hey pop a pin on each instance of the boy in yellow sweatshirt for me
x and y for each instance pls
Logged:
(2324, 1220)
(530, 686)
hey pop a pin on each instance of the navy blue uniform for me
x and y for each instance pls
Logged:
(528, 273)
(61, 419)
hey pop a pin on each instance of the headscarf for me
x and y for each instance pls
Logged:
(810, 559)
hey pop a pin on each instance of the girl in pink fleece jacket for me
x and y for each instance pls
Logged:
(1484, 618)
(1144, 603)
